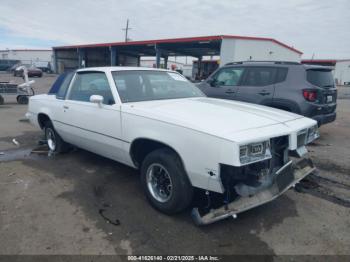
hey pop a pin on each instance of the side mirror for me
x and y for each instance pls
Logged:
(212, 82)
(97, 99)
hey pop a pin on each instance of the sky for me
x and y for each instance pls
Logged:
(318, 28)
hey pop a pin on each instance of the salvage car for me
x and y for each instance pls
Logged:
(160, 123)
(31, 70)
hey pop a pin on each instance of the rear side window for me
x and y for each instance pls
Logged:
(259, 76)
(61, 93)
(281, 75)
(57, 84)
(321, 78)
(228, 76)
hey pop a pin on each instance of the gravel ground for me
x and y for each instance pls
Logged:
(53, 205)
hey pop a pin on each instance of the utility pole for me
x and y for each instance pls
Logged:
(126, 29)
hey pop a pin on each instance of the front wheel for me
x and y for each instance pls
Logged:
(53, 139)
(165, 182)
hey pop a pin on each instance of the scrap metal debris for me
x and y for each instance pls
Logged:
(23, 120)
(116, 222)
(15, 142)
(40, 150)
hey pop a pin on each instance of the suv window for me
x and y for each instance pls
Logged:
(321, 78)
(259, 76)
(87, 84)
(281, 75)
(228, 76)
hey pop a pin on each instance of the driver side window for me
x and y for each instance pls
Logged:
(87, 84)
(228, 77)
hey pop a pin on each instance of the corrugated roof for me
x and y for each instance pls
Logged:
(179, 40)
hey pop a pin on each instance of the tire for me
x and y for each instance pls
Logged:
(22, 100)
(181, 193)
(53, 139)
(1, 100)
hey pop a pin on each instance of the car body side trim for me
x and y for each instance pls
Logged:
(92, 131)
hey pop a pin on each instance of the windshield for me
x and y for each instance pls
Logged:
(321, 78)
(135, 86)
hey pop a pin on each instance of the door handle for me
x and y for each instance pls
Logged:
(66, 107)
(264, 93)
(229, 91)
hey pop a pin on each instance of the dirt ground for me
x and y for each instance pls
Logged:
(80, 203)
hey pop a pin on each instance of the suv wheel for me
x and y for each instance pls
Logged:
(165, 182)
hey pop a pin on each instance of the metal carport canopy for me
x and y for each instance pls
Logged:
(191, 46)
(187, 46)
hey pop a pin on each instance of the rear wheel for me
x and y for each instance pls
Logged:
(1, 100)
(23, 100)
(53, 139)
(165, 182)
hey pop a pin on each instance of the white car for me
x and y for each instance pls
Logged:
(160, 123)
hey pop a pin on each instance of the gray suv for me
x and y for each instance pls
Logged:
(307, 90)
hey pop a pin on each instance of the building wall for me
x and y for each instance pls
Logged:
(66, 60)
(243, 50)
(152, 63)
(27, 56)
(342, 72)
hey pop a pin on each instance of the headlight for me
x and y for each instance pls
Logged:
(254, 152)
(312, 134)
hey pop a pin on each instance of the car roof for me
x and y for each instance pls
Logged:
(263, 63)
(276, 64)
(122, 68)
(307, 67)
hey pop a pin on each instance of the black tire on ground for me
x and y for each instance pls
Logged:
(182, 190)
(58, 145)
(22, 100)
(1, 100)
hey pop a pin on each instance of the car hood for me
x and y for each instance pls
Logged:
(213, 116)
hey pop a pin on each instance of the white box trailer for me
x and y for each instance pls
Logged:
(342, 72)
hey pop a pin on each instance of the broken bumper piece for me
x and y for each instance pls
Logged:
(286, 177)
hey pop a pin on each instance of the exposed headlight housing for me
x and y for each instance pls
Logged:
(312, 134)
(254, 152)
(306, 136)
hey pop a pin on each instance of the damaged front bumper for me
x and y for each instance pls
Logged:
(286, 177)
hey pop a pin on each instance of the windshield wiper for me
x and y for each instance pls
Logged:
(328, 86)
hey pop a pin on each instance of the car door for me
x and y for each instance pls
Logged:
(224, 83)
(257, 85)
(91, 126)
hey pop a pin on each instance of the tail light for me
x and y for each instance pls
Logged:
(310, 95)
